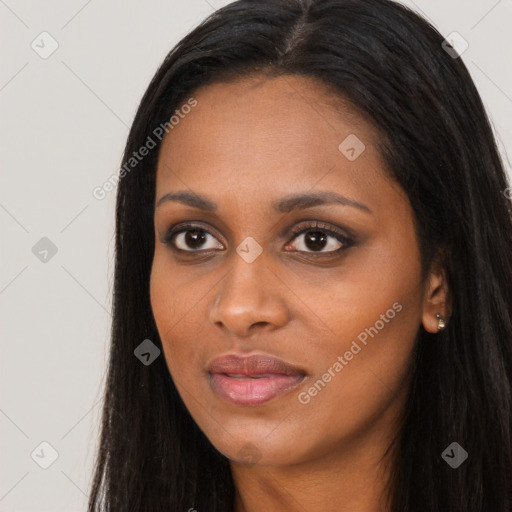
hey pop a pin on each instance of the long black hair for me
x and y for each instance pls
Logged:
(437, 140)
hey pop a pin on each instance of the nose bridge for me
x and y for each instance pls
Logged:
(248, 295)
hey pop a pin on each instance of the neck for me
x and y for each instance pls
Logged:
(354, 478)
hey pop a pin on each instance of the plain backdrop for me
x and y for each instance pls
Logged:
(64, 122)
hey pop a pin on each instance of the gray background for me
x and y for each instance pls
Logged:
(65, 120)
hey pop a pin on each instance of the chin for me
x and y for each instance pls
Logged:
(260, 447)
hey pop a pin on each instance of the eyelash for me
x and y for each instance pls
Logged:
(341, 237)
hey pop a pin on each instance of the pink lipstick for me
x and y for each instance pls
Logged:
(254, 379)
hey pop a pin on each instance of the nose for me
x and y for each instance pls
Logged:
(249, 298)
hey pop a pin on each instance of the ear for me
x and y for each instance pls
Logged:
(437, 297)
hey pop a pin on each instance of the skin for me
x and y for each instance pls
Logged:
(245, 145)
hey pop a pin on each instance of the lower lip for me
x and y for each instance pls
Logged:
(253, 391)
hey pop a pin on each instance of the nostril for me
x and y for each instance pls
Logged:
(260, 323)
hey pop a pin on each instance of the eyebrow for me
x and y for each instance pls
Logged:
(283, 205)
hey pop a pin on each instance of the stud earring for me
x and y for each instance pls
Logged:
(441, 322)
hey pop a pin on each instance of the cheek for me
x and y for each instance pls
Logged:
(351, 397)
(373, 312)
(178, 303)
(366, 361)
(376, 294)
(169, 313)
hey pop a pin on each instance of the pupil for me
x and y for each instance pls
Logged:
(315, 240)
(195, 238)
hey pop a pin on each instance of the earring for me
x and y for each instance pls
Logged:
(441, 322)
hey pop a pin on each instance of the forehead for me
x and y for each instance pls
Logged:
(258, 134)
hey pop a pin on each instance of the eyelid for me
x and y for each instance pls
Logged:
(321, 226)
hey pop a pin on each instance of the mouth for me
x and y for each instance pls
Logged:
(252, 380)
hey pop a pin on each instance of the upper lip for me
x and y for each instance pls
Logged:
(256, 364)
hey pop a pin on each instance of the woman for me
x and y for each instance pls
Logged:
(313, 232)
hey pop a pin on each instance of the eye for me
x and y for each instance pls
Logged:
(314, 238)
(191, 238)
(320, 238)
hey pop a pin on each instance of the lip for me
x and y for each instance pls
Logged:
(254, 379)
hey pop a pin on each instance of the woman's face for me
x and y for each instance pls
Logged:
(255, 165)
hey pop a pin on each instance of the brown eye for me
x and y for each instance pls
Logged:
(321, 239)
(192, 239)
(318, 241)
